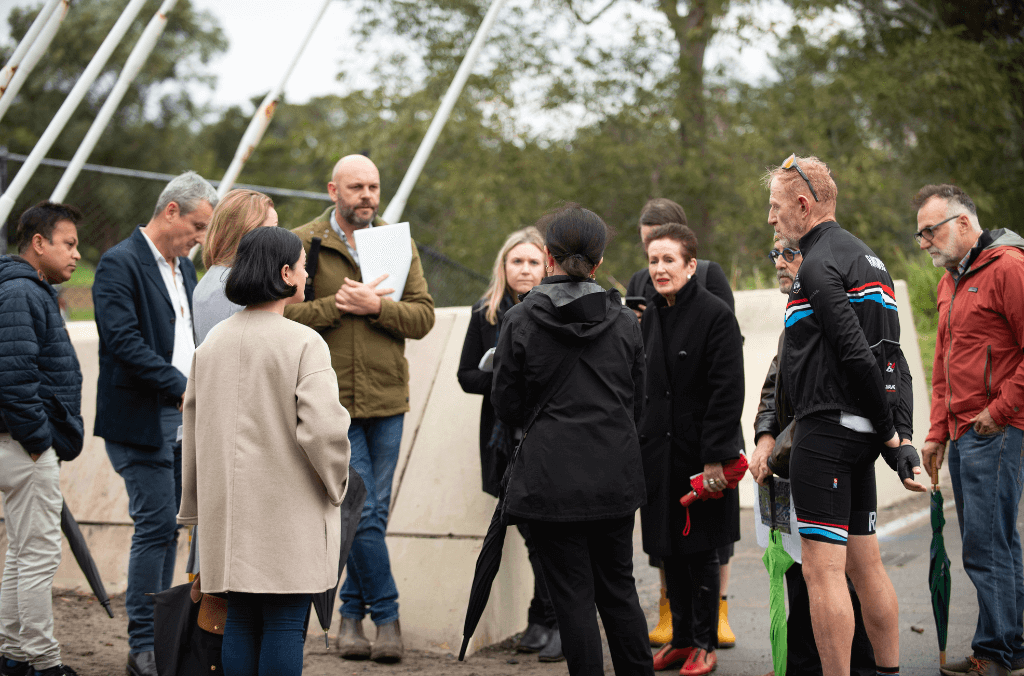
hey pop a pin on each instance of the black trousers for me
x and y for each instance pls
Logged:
(541, 611)
(588, 563)
(693, 594)
(803, 658)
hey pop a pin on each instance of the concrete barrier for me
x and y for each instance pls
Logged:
(439, 514)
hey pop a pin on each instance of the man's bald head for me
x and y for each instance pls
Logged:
(355, 189)
(352, 163)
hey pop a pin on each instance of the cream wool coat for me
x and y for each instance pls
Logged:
(264, 457)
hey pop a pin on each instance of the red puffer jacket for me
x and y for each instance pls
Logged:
(978, 357)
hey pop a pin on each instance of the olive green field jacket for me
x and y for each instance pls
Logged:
(367, 352)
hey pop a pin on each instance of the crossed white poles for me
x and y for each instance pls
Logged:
(43, 30)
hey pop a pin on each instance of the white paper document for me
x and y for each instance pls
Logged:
(783, 512)
(385, 249)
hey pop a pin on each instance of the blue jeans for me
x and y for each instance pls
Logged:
(983, 468)
(264, 634)
(152, 477)
(369, 584)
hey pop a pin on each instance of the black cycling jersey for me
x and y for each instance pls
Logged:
(842, 340)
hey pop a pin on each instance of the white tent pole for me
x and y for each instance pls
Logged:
(32, 56)
(396, 206)
(33, 32)
(261, 120)
(89, 75)
(141, 51)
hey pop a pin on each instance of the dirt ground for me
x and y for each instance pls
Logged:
(95, 645)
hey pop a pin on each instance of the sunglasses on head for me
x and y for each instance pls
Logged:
(790, 163)
(929, 232)
(789, 255)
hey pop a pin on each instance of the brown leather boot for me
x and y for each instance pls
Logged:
(352, 642)
(388, 648)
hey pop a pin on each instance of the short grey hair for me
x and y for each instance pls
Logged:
(187, 191)
(787, 243)
(957, 202)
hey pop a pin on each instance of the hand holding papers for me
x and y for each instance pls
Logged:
(385, 250)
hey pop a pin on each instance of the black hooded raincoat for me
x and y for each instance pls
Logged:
(581, 459)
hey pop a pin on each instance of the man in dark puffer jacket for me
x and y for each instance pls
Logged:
(40, 422)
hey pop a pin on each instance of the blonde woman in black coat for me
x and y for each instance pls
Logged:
(690, 426)
(518, 268)
(578, 479)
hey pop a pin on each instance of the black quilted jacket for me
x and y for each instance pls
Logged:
(40, 379)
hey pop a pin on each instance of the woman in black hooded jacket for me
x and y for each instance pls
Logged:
(579, 478)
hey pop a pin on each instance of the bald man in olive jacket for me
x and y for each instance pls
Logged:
(366, 332)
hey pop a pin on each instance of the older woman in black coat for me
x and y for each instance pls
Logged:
(690, 426)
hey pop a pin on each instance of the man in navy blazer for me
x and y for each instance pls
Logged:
(143, 300)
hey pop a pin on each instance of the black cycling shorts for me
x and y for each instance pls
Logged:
(832, 474)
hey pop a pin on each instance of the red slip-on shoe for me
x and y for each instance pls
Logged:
(699, 662)
(668, 657)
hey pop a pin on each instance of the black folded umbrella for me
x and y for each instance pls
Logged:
(85, 561)
(351, 509)
(487, 564)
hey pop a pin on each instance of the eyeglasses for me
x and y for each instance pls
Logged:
(789, 255)
(790, 163)
(929, 233)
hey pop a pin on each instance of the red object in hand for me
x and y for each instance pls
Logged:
(733, 470)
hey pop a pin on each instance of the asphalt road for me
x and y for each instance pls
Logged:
(905, 553)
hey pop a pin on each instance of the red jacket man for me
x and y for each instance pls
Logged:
(977, 402)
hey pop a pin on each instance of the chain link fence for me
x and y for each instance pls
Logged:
(114, 201)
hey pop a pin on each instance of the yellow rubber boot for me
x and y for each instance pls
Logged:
(662, 634)
(726, 639)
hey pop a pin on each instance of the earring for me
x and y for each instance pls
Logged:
(688, 277)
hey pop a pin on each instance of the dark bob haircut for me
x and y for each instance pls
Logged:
(676, 232)
(255, 277)
(576, 238)
(42, 219)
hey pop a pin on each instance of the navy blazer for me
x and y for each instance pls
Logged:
(135, 319)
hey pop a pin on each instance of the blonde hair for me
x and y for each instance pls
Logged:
(240, 211)
(499, 283)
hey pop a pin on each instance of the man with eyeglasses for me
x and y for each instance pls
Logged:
(773, 421)
(848, 385)
(977, 397)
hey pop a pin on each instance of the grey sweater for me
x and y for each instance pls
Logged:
(209, 304)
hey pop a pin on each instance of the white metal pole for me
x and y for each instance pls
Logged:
(261, 120)
(35, 52)
(141, 51)
(393, 214)
(33, 32)
(89, 75)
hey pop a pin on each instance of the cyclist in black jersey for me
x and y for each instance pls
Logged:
(848, 383)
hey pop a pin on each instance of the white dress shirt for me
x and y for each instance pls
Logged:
(184, 341)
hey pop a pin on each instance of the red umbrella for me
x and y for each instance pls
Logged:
(734, 471)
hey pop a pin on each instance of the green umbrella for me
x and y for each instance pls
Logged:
(938, 570)
(777, 561)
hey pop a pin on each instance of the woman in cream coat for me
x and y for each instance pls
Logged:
(265, 460)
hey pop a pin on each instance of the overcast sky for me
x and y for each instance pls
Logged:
(263, 36)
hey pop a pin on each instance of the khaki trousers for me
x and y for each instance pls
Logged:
(32, 504)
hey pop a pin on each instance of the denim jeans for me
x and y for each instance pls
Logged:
(264, 634)
(986, 472)
(369, 584)
(152, 477)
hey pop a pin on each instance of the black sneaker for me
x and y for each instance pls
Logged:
(12, 668)
(59, 670)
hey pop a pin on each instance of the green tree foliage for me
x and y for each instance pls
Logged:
(154, 129)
